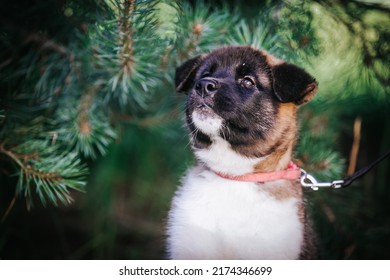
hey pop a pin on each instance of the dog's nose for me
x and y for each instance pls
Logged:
(207, 86)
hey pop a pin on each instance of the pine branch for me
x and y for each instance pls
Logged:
(122, 47)
(125, 38)
(46, 172)
(62, 103)
(200, 29)
(256, 34)
(85, 129)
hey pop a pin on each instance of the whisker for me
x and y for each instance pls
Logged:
(223, 132)
(193, 134)
(228, 132)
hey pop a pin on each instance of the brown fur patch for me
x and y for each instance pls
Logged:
(279, 144)
(264, 80)
(282, 190)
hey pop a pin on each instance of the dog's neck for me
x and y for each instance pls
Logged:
(220, 157)
(276, 161)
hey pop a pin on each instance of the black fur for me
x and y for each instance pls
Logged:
(184, 76)
(291, 83)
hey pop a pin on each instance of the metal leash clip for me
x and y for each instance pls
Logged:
(307, 180)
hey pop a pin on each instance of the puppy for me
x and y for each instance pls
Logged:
(241, 114)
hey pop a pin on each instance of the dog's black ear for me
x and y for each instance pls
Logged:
(293, 84)
(185, 74)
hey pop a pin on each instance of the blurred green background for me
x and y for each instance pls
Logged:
(140, 149)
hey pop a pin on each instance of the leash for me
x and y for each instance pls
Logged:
(307, 180)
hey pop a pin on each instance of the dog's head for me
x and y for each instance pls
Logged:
(245, 99)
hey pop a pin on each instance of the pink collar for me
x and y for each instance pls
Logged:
(291, 173)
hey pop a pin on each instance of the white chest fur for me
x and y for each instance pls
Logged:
(223, 159)
(216, 218)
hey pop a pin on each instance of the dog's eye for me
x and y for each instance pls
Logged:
(247, 82)
(205, 74)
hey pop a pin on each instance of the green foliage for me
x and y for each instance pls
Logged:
(89, 132)
(362, 62)
(46, 171)
(123, 52)
(316, 151)
(199, 29)
(70, 88)
(256, 34)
